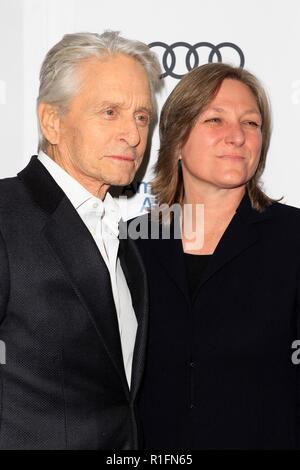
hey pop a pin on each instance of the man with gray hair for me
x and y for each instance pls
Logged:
(73, 297)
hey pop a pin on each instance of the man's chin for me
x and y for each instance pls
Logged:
(123, 181)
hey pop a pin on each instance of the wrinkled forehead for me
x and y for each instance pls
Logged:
(116, 75)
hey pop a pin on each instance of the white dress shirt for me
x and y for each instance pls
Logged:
(102, 219)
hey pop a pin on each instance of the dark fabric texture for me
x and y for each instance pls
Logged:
(195, 266)
(63, 385)
(218, 372)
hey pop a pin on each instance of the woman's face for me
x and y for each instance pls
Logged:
(223, 148)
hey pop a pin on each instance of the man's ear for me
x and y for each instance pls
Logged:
(49, 122)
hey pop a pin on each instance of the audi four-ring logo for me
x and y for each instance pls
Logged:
(192, 52)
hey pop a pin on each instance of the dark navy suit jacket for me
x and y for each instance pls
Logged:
(219, 372)
(63, 385)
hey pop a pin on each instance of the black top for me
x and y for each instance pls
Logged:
(195, 266)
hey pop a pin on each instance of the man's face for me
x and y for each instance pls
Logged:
(103, 135)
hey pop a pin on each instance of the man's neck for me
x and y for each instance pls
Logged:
(94, 187)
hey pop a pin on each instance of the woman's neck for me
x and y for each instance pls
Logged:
(215, 200)
(206, 215)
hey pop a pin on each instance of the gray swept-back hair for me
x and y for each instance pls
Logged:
(58, 81)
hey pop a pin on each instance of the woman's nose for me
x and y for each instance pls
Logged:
(235, 134)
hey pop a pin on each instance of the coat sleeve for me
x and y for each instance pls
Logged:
(4, 278)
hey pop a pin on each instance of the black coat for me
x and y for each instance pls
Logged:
(63, 384)
(218, 371)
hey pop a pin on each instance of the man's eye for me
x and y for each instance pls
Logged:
(109, 112)
(214, 120)
(142, 119)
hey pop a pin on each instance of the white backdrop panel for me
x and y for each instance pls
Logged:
(267, 32)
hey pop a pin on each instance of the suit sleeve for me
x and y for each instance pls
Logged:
(4, 278)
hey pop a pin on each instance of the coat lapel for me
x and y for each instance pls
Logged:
(169, 253)
(240, 235)
(78, 255)
(172, 258)
(135, 274)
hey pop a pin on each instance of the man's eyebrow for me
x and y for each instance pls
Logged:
(103, 104)
(116, 104)
(145, 109)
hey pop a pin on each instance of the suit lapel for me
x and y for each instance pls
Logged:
(78, 254)
(240, 235)
(169, 253)
(134, 271)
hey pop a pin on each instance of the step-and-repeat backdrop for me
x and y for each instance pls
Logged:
(260, 35)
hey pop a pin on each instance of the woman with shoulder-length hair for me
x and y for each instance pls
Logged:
(224, 312)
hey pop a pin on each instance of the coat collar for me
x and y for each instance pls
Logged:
(68, 236)
(44, 191)
(240, 235)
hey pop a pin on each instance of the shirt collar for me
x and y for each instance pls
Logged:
(70, 186)
(78, 195)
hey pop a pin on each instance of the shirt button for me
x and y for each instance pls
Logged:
(192, 364)
(95, 205)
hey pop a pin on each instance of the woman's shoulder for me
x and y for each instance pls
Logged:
(282, 210)
(283, 223)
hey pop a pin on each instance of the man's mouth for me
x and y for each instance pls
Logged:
(124, 158)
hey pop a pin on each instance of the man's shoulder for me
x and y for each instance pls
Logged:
(9, 187)
(14, 195)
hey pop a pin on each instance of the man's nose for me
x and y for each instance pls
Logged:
(130, 133)
(235, 134)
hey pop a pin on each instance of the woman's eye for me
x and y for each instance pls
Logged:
(252, 124)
